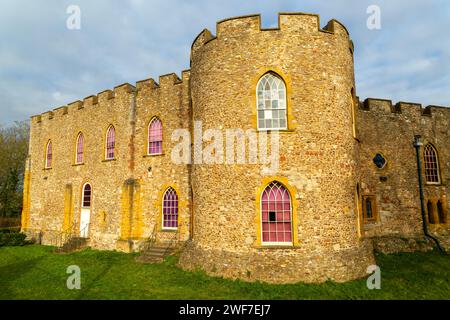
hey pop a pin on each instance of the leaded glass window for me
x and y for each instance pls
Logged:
(48, 155)
(110, 143)
(155, 135)
(431, 164)
(271, 103)
(276, 212)
(80, 148)
(170, 209)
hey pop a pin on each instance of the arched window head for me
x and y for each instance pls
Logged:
(271, 103)
(431, 164)
(87, 196)
(155, 137)
(48, 155)
(170, 209)
(276, 211)
(80, 149)
(110, 143)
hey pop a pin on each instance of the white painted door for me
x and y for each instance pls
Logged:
(84, 222)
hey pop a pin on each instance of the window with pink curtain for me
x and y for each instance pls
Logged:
(80, 148)
(155, 137)
(49, 155)
(276, 214)
(110, 143)
(170, 209)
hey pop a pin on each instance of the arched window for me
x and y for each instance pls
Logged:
(170, 209)
(80, 149)
(48, 155)
(155, 137)
(87, 195)
(431, 164)
(271, 103)
(276, 211)
(110, 143)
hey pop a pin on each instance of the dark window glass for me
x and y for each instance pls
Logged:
(87, 193)
(379, 161)
(369, 212)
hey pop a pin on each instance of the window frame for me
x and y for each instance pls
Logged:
(164, 228)
(148, 136)
(79, 135)
(286, 98)
(373, 201)
(83, 196)
(106, 143)
(437, 164)
(46, 159)
(291, 204)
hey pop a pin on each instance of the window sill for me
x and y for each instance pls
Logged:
(109, 160)
(47, 169)
(169, 230)
(78, 164)
(153, 155)
(276, 247)
(280, 131)
(370, 222)
(433, 184)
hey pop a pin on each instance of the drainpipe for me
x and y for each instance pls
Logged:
(417, 144)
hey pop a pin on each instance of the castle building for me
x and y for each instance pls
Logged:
(346, 182)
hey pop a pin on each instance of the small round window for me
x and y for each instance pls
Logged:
(380, 161)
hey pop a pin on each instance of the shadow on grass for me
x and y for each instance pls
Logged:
(11, 272)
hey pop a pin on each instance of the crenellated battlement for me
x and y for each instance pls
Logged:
(166, 82)
(292, 22)
(385, 106)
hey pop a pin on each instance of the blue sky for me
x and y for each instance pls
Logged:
(44, 65)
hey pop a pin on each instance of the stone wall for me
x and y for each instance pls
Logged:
(389, 130)
(317, 153)
(127, 191)
(326, 159)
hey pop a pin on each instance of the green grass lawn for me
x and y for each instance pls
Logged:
(34, 272)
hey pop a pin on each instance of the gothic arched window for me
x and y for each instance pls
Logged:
(48, 155)
(80, 149)
(271, 103)
(155, 137)
(110, 143)
(431, 163)
(170, 209)
(276, 211)
(87, 196)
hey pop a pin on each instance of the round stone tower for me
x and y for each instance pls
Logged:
(317, 171)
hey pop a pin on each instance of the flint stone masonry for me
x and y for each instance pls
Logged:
(322, 162)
